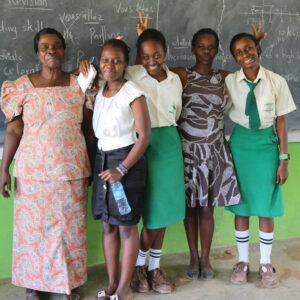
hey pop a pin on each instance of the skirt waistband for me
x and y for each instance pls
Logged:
(246, 131)
(123, 149)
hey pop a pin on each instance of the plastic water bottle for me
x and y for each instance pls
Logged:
(120, 198)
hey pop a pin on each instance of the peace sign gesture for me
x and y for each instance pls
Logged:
(259, 36)
(142, 25)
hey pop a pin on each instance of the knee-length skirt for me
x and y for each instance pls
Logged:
(104, 206)
(49, 242)
(256, 158)
(165, 197)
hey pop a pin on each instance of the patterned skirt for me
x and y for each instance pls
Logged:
(210, 178)
(49, 242)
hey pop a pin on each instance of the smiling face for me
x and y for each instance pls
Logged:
(152, 55)
(112, 63)
(246, 53)
(205, 49)
(50, 51)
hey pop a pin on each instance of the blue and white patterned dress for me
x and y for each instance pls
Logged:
(210, 178)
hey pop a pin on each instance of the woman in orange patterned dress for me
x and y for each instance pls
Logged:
(46, 115)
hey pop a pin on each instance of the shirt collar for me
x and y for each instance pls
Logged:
(261, 74)
(142, 73)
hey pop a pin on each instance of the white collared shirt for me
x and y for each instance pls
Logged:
(163, 98)
(272, 94)
(113, 119)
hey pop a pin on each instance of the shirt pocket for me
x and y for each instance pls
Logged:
(172, 110)
(268, 109)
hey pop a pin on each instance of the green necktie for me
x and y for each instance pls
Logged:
(251, 106)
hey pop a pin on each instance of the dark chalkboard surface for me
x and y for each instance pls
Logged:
(87, 24)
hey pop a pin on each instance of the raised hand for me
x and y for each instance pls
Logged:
(142, 25)
(259, 36)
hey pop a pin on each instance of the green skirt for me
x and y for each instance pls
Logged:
(256, 159)
(165, 196)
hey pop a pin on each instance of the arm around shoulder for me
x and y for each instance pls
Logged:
(224, 73)
(181, 72)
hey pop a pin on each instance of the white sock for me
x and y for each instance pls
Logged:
(242, 240)
(141, 260)
(265, 244)
(154, 259)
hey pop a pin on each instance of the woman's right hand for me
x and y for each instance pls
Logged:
(259, 35)
(84, 67)
(142, 25)
(5, 184)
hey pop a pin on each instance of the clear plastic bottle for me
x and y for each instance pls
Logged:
(120, 198)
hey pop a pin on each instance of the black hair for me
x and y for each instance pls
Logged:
(116, 43)
(240, 36)
(151, 35)
(205, 31)
(47, 30)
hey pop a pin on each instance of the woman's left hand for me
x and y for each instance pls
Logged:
(111, 175)
(282, 172)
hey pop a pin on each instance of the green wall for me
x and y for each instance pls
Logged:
(175, 241)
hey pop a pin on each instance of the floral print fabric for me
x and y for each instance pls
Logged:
(52, 146)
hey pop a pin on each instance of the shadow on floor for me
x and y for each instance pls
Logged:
(285, 257)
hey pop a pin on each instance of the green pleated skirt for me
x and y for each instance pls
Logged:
(165, 196)
(256, 159)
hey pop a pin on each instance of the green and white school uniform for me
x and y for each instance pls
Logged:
(165, 196)
(255, 152)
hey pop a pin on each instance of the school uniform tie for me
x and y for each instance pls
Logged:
(251, 106)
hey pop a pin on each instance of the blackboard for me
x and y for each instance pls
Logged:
(86, 24)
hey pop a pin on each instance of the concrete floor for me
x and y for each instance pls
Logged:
(285, 257)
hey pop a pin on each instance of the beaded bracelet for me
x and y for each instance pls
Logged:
(123, 168)
(120, 171)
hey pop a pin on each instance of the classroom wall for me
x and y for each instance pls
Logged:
(175, 240)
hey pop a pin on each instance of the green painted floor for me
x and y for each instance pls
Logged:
(285, 257)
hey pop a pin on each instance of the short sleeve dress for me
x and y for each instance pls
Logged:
(210, 178)
(51, 170)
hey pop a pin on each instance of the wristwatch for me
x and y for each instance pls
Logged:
(284, 156)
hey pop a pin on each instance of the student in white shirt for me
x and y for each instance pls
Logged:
(164, 202)
(120, 113)
(260, 99)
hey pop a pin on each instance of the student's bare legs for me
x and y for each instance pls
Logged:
(130, 247)
(111, 248)
(191, 230)
(241, 223)
(266, 224)
(152, 238)
(206, 226)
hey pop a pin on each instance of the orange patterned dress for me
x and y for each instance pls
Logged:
(51, 170)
